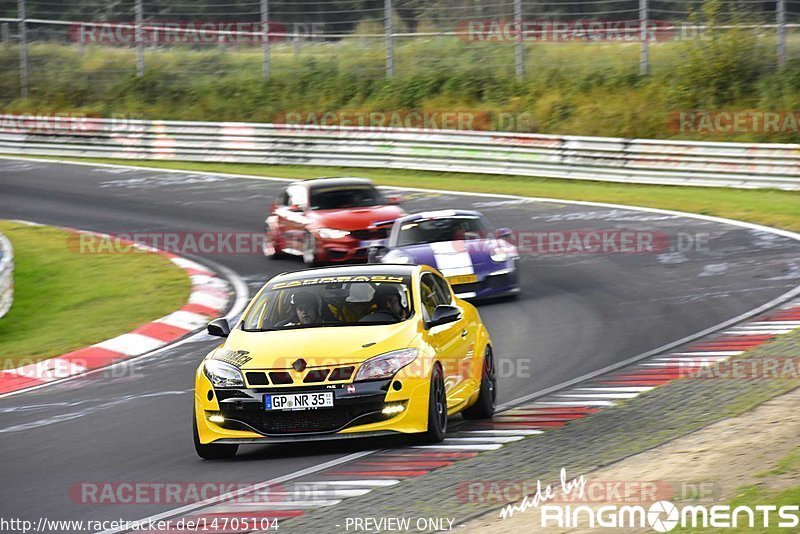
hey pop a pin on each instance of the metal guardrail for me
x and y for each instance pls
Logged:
(6, 275)
(646, 161)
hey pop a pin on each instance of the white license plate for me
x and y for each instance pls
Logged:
(299, 401)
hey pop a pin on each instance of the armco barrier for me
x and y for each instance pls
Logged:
(585, 158)
(6, 275)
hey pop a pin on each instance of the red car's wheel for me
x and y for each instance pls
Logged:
(271, 246)
(310, 250)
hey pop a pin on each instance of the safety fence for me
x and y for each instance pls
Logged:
(740, 165)
(375, 38)
(6, 275)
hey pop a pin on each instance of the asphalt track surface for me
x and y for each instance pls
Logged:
(577, 313)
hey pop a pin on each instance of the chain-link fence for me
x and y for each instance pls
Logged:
(45, 42)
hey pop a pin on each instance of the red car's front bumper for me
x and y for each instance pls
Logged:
(346, 249)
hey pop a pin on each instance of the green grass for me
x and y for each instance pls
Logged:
(760, 494)
(780, 209)
(787, 464)
(570, 88)
(64, 300)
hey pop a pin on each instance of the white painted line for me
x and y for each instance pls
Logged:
(756, 332)
(488, 447)
(208, 300)
(572, 404)
(185, 320)
(131, 344)
(775, 323)
(183, 263)
(202, 280)
(502, 432)
(620, 389)
(467, 295)
(599, 395)
(484, 439)
(373, 483)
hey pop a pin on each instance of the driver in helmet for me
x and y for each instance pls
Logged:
(388, 298)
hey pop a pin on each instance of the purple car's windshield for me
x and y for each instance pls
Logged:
(440, 229)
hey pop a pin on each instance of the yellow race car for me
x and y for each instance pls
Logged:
(344, 352)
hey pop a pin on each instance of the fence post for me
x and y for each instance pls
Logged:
(139, 16)
(388, 23)
(644, 54)
(23, 49)
(265, 66)
(781, 31)
(519, 45)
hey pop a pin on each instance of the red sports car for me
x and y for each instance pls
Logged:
(328, 220)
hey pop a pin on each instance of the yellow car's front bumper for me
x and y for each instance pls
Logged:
(245, 420)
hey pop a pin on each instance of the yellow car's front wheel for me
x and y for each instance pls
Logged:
(437, 408)
(211, 451)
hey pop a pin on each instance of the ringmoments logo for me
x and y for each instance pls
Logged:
(660, 516)
(664, 516)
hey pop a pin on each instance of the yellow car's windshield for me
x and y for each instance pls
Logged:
(328, 302)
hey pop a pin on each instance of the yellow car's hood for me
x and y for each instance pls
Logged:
(317, 346)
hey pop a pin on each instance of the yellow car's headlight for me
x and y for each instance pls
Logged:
(386, 365)
(223, 375)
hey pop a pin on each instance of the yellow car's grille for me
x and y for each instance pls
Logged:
(288, 378)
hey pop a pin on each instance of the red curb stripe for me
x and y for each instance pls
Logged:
(631, 382)
(451, 455)
(192, 272)
(409, 464)
(11, 382)
(666, 377)
(722, 345)
(161, 331)
(567, 410)
(539, 420)
(201, 310)
(788, 315)
(93, 357)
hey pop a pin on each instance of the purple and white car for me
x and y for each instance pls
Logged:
(478, 262)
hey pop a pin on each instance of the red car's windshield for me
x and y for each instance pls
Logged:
(331, 198)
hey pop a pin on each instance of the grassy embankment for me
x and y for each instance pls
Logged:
(64, 300)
